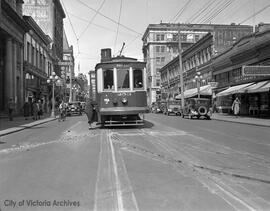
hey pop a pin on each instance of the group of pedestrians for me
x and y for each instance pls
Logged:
(33, 109)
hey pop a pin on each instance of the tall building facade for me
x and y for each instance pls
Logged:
(49, 15)
(12, 30)
(161, 41)
(38, 62)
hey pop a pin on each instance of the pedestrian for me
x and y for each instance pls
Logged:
(236, 106)
(90, 110)
(11, 107)
(26, 110)
(40, 111)
(35, 110)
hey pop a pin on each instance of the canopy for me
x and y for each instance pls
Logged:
(263, 86)
(204, 90)
(234, 90)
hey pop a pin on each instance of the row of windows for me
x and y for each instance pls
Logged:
(35, 57)
(198, 59)
(123, 79)
(175, 37)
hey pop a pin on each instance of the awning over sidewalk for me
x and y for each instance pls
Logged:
(204, 90)
(234, 90)
(263, 86)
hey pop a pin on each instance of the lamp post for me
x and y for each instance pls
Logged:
(53, 79)
(63, 76)
(198, 78)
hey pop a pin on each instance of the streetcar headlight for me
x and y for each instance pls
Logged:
(124, 100)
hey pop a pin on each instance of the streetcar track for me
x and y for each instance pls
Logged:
(204, 174)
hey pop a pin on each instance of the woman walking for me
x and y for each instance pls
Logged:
(236, 106)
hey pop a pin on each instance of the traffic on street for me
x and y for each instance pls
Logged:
(170, 163)
(134, 105)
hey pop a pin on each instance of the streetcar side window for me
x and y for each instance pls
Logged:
(138, 79)
(123, 79)
(108, 79)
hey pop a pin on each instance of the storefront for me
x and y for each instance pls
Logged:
(254, 97)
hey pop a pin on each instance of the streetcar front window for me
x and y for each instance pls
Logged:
(123, 79)
(138, 79)
(108, 79)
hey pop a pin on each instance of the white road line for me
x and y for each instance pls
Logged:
(98, 174)
(118, 186)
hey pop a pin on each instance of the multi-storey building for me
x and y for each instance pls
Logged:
(160, 45)
(49, 15)
(68, 68)
(253, 89)
(12, 30)
(38, 62)
(196, 58)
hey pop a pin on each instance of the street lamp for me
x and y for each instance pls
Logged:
(53, 79)
(63, 76)
(198, 78)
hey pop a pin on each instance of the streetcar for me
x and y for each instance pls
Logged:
(120, 90)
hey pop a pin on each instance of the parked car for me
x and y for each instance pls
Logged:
(74, 108)
(197, 107)
(173, 107)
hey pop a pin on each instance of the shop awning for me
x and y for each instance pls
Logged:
(234, 90)
(263, 86)
(204, 90)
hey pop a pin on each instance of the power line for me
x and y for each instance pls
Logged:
(119, 17)
(180, 12)
(112, 20)
(258, 12)
(92, 19)
(224, 6)
(211, 11)
(199, 12)
(71, 26)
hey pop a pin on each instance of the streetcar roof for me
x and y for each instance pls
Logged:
(120, 59)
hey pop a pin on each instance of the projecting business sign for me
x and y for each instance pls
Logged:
(256, 70)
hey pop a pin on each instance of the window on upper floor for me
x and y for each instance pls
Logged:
(28, 52)
(158, 49)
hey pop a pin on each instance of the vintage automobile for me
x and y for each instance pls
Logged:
(173, 107)
(74, 108)
(197, 107)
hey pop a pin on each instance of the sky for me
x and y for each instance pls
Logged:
(91, 25)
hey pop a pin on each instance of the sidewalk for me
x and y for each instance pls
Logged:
(241, 119)
(19, 123)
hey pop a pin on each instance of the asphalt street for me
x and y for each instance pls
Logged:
(169, 164)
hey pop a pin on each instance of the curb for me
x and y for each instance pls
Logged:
(244, 123)
(23, 127)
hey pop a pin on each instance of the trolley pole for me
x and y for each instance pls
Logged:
(181, 78)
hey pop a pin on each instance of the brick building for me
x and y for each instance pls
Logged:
(160, 45)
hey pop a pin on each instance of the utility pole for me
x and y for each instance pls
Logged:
(181, 75)
(70, 89)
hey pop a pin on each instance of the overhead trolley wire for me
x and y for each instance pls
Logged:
(256, 13)
(92, 19)
(77, 39)
(119, 17)
(112, 20)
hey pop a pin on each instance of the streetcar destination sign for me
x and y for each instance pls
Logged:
(256, 70)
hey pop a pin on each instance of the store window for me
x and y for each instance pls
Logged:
(123, 79)
(108, 79)
(138, 79)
